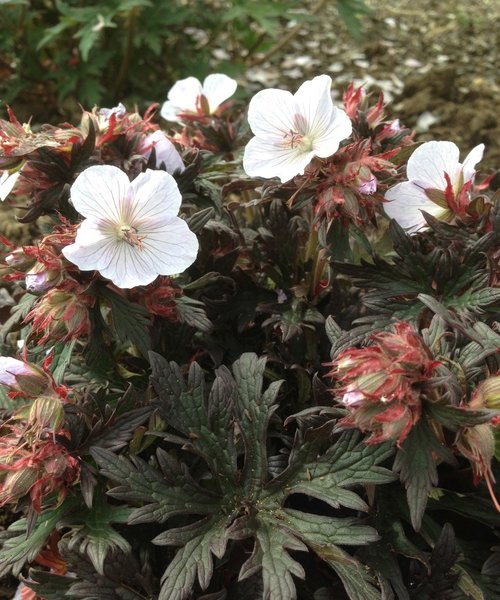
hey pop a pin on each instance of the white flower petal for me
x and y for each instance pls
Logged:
(405, 203)
(263, 159)
(93, 249)
(169, 112)
(130, 267)
(271, 114)
(339, 129)
(99, 192)
(165, 151)
(154, 195)
(431, 161)
(471, 160)
(173, 246)
(7, 183)
(314, 102)
(182, 98)
(217, 88)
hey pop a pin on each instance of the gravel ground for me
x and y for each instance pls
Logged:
(436, 62)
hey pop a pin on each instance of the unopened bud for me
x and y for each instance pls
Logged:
(22, 376)
(40, 279)
(46, 412)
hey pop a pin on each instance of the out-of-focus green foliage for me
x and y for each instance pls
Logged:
(71, 52)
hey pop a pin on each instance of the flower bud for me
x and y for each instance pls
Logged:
(22, 376)
(488, 394)
(46, 412)
(61, 314)
(381, 385)
(165, 151)
(17, 259)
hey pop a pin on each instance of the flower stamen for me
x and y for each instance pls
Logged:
(129, 234)
(292, 139)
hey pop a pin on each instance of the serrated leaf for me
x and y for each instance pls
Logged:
(349, 462)
(270, 554)
(20, 549)
(61, 360)
(130, 321)
(116, 432)
(192, 313)
(333, 331)
(48, 585)
(416, 465)
(453, 417)
(204, 419)
(254, 408)
(164, 493)
(91, 532)
(325, 530)
(194, 562)
(357, 582)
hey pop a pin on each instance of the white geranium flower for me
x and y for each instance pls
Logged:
(292, 129)
(7, 183)
(189, 97)
(436, 180)
(166, 152)
(131, 232)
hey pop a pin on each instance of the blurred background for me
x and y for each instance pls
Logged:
(436, 62)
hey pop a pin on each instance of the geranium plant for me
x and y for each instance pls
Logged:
(249, 367)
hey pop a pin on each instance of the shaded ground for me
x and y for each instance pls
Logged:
(436, 61)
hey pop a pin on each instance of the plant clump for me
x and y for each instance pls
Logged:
(249, 367)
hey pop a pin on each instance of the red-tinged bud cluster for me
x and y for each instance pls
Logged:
(382, 385)
(35, 469)
(41, 266)
(350, 183)
(158, 297)
(368, 120)
(477, 443)
(62, 313)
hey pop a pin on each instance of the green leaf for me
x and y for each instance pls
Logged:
(91, 531)
(194, 561)
(349, 462)
(130, 321)
(229, 493)
(21, 548)
(204, 419)
(192, 313)
(61, 360)
(164, 493)
(416, 465)
(48, 585)
(18, 312)
(329, 530)
(253, 410)
(270, 554)
(454, 417)
(351, 12)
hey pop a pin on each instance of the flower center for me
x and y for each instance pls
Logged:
(130, 235)
(293, 139)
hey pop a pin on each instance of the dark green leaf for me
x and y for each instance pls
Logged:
(416, 466)
(130, 321)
